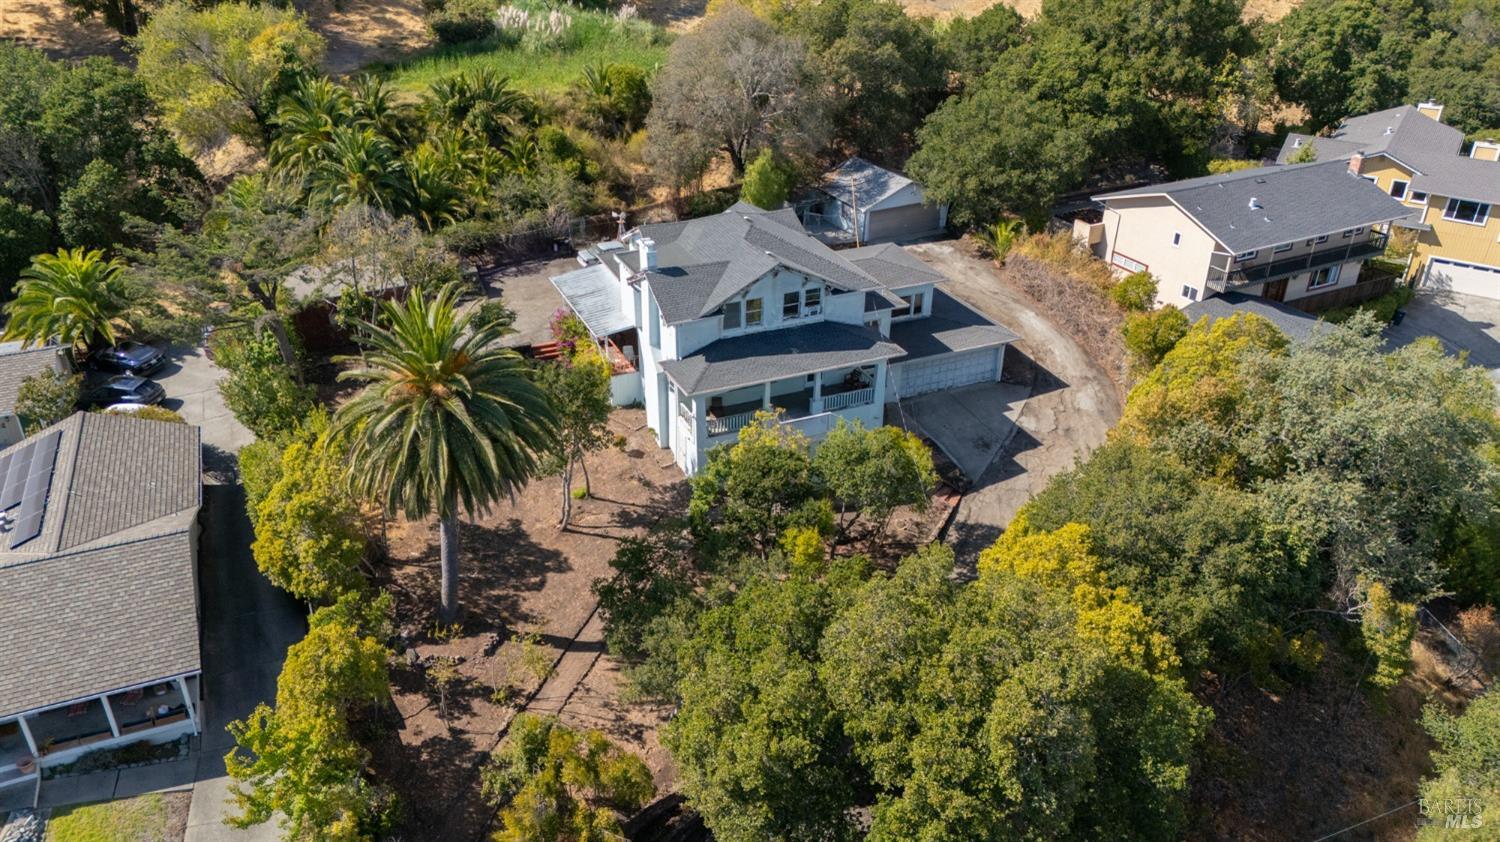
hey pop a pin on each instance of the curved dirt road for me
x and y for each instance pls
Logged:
(1072, 406)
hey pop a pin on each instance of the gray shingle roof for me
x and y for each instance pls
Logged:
(1417, 141)
(1266, 206)
(952, 327)
(17, 364)
(701, 263)
(106, 596)
(870, 183)
(893, 266)
(776, 354)
(1296, 324)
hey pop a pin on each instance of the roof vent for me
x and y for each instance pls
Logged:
(1266, 218)
(1390, 129)
(1260, 181)
(1255, 203)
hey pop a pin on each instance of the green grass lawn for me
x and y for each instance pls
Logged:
(595, 38)
(146, 818)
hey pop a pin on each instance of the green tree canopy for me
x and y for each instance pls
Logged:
(1466, 783)
(74, 298)
(578, 390)
(448, 422)
(47, 398)
(219, 70)
(768, 180)
(873, 471)
(1341, 58)
(749, 494)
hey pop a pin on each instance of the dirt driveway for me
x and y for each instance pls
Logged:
(1072, 406)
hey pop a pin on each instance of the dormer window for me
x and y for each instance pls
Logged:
(732, 315)
(812, 301)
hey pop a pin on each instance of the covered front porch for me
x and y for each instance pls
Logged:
(835, 390)
(157, 711)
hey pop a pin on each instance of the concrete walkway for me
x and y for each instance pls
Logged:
(1072, 406)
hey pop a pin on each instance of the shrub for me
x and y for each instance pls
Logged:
(461, 21)
(707, 203)
(47, 398)
(1135, 293)
(152, 413)
(471, 237)
(998, 239)
(260, 389)
(768, 181)
(1150, 335)
(1219, 166)
(1384, 306)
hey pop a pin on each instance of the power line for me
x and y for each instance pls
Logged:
(1344, 830)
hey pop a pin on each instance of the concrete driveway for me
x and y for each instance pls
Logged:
(526, 289)
(1462, 323)
(971, 425)
(192, 383)
(247, 626)
(1072, 404)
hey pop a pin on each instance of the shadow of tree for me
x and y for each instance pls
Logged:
(497, 564)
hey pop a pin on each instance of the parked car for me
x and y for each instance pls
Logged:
(125, 388)
(130, 358)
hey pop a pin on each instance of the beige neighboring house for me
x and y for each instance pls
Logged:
(1450, 187)
(18, 363)
(98, 590)
(1297, 234)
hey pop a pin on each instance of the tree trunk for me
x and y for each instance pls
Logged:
(272, 321)
(448, 555)
(588, 488)
(567, 494)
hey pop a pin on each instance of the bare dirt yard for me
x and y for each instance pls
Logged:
(526, 595)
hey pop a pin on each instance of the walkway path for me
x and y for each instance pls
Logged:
(1072, 406)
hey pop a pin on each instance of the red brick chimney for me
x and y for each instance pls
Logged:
(1355, 162)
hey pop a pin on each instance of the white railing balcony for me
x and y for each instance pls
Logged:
(724, 425)
(848, 400)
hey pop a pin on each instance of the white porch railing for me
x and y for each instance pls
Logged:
(846, 400)
(727, 424)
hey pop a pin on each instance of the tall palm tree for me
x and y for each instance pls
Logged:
(449, 422)
(75, 298)
(359, 166)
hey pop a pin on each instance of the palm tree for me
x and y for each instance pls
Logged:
(75, 298)
(449, 421)
(305, 122)
(359, 166)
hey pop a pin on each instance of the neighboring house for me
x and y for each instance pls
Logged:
(98, 584)
(1296, 324)
(1298, 234)
(1453, 201)
(858, 202)
(713, 319)
(18, 363)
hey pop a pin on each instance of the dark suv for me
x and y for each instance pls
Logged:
(130, 358)
(125, 388)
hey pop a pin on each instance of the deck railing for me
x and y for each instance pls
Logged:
(724, 425)
(847, 400)
(1222, 280)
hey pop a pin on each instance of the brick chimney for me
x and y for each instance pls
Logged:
(1431, 109)
(1355, 162)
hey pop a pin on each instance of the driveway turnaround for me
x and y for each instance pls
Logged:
(971, 425)
(247, 626)
(1072, 406)
(1462, 323)
(192, 383)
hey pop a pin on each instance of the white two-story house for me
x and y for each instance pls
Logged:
(720, 317)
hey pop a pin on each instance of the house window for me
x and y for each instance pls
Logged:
(1190, 293)
(1243, 256)
(731, 315)
(1463, 210)
(1348, 233)
(1398, 188)
(755, 312)
(1322, 239)
(1176, 239)
(1417, 197)
(911, 307)
(791, 305)
(812, 301)
(1282, 248)
(1325, 277)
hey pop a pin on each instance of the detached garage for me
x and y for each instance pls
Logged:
(1464, 278)
(859, 202)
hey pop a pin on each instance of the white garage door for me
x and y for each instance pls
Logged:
(947, 371)
(1466, 278)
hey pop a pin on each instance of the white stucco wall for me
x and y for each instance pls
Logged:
(1142, 229)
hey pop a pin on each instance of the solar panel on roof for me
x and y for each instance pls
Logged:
(45, 453)
(26, 529)
(15, 478)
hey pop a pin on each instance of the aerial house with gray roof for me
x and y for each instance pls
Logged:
(1298, 234)
(858, 202)
(743, 311)
(98, 589)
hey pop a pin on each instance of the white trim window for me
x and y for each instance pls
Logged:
(1467, 212)
(1190, 293)
(755, 312)
(812, 301)
(911, 307)
(732, 315)
(1417, 197)
(1324, 277)
(791, 306)
(1399, 188)
(1284, 247)
(1321, 239)
(1246, 255)
(1176, 239)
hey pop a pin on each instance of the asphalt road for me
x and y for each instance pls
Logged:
(247, 625)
